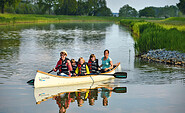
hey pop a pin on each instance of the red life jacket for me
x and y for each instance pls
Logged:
(64, 67)
(82, 69)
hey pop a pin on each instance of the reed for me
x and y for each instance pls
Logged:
(157, 35)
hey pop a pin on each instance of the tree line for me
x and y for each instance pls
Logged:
(157, 12)
(86, 7)
(57, 7)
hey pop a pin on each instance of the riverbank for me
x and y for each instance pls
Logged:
(157, 34)
(152, 36)
(12, 19)
(164, 56)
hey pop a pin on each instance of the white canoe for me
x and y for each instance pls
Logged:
(43, 79)
(45, 93)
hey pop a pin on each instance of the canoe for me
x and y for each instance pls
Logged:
(43, 79)
(45, 93)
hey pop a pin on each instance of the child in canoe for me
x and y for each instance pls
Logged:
(82, 68)
(74, 66)
(93, 64)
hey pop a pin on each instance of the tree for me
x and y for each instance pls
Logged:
(147, 12)
(127, 11)
(3, 3)
(103, 11)
(66, 7)
(181, 6)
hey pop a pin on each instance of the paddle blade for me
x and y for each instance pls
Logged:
(120, 75)
(120, 89)
(31, 82)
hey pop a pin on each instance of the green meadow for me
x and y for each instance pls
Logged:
(9, 19)
(157, 34)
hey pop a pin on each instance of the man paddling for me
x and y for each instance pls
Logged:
(65, 63)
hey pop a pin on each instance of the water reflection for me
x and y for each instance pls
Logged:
(78, 94)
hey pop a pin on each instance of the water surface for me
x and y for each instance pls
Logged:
(151, 87)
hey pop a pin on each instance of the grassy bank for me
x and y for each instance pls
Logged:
(9, 19)
(158, 34)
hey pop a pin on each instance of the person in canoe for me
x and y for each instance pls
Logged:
(74, 66)
(65, 67)
(107, 64)
(82, 68)
(93, 64)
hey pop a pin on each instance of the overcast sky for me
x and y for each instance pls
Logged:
(115, 5)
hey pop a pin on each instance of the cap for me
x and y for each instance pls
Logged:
(63, 52)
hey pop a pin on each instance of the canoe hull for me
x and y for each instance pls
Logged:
(43, 79)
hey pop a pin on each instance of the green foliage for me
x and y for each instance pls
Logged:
(127, 11)
(181, 6)
(147, 12)
(103, 11)
(154, 36)
(9, 3)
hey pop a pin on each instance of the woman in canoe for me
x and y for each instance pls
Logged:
(107, 64)
(65, 67)
(82, 68)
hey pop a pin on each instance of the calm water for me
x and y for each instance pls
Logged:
(150, 87)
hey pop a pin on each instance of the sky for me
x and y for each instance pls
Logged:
(115, 5)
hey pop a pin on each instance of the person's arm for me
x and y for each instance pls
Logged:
(55, 68)
(69, 65)
(87, 70)
(111, 65)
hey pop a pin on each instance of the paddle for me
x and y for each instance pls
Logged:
(120, 89)
(31, 82)
(116, 74)
(116, 90)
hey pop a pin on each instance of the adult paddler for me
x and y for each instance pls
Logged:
(65, 63)
(107, 64)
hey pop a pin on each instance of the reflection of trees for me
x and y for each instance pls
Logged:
(9, 45)
(67, 34)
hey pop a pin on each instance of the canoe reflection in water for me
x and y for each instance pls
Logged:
(91, 95)
(65, 95)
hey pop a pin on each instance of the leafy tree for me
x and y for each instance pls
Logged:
(3, 3)
(66, 7)
(103, 11)
(181, 6)
(127, 11)
(147, 12)
(45, 5)
(82, 7)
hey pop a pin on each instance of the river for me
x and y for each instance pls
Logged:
(150, 87)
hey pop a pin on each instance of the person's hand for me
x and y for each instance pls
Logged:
(54, 69)
(105, 69)
(74, 74)
(85, 73)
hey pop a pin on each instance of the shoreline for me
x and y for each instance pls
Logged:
(14, 19)
(165, 57)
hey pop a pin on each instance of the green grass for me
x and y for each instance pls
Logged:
(7, 19)
(158, 34)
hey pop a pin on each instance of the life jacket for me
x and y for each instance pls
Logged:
(82, 69)
(93, 66)
(74, 68)
(64, 68)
